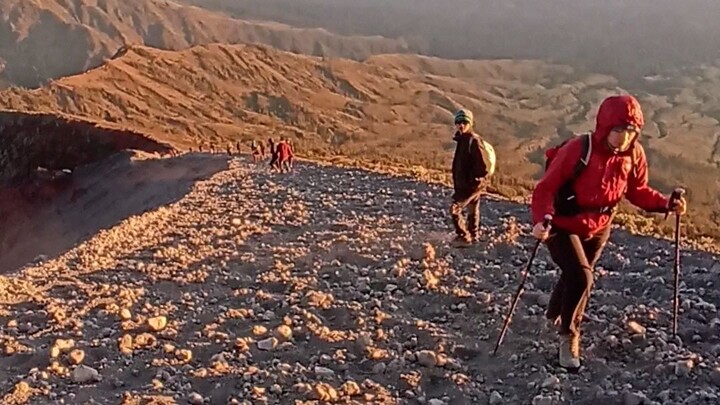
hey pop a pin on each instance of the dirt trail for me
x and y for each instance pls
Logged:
(336, 285)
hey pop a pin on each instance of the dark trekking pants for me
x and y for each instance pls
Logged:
(576, 258)
(472, 203)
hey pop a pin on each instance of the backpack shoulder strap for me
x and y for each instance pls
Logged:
(635, 157)
(584, 156)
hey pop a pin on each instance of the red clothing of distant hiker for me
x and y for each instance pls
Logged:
(608, 177)
(284, 151)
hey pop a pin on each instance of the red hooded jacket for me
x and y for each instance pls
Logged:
(607, 178)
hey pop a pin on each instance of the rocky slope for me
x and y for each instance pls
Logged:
(338, 285)
(47, 39)
(38, 156)
(29, 141)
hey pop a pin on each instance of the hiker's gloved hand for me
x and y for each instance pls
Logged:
(677, 205)
(540, 231)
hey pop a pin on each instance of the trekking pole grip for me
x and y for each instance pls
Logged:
(547, 220)
(677, 194)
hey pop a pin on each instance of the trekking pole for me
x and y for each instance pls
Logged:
(523, 278)
(676, 195)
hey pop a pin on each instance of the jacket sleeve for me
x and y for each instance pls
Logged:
(639, 193)
(479, 164)
(543, 197)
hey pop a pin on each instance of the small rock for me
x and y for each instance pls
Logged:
(379, 368)
(664, 396)
(84, 374)
(77, 356)
(324, 392)
(542, 400)
(126, 344)
(495, 398)
(435, 401)
(551, 382)
(157, 323)
(284, 333)
(184, 355)
(364, 340)
(683, 368)
(267, 344)
(125, 314)
(484, 298)
(259, 330)
(426, 358)
(350, 388)
(636, 328)
(612, 340)
(236, 221)
(635, 398)
(196, 399)
(64, 344)
(324, 372)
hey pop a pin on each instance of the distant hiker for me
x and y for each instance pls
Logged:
(255, 149)
(273, 154)
(284, 155)
(238, 149)
(473, 163)
(585, 179)
(292, 154)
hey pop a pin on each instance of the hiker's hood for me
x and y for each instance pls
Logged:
(617, 111)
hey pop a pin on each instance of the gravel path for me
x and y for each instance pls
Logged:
(340, 286)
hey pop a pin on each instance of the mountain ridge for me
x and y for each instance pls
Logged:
(93, 30)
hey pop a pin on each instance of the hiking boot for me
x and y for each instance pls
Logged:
(476, 238)
(569, 351)
(462, 242)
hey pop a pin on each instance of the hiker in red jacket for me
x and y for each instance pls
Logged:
(285, 155)
(583, 208)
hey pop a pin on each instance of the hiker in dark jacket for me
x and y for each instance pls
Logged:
(273, 154)
(616, 168)
(473, 161)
